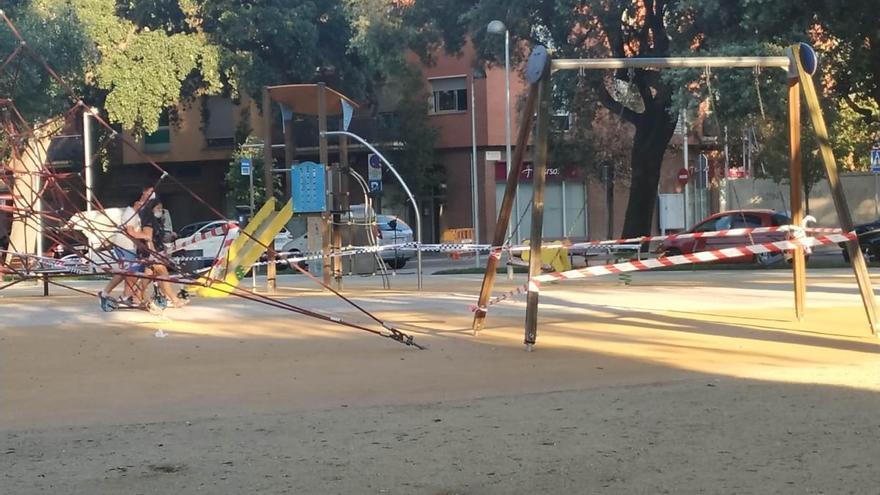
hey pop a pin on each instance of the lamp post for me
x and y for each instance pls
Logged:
(479, 73)
(498, 27)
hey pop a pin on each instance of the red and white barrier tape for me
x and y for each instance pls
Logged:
(742, 232)
(664, 261)
(201, 236)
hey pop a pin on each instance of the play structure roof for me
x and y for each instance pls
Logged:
(303, 98)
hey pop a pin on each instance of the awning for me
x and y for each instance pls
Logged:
(303, 98)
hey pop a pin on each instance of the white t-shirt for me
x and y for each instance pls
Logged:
(130, 218)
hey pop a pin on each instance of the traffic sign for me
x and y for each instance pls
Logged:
(374, 167)
(375, 186)
(875, 160)
(245, 166)
(683, 176)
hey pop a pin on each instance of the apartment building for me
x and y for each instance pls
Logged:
(195, 144)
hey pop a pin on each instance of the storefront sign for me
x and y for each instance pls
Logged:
(528, 172)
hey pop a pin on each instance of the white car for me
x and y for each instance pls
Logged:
(389, 230)
(209, 248)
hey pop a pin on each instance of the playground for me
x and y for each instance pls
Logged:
(647, 377)
(620, 385)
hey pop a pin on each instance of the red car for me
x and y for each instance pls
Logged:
(734, 219)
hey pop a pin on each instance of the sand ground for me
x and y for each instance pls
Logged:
(688, 382)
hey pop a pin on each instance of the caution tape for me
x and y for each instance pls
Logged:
(667, 261)
(199, 237)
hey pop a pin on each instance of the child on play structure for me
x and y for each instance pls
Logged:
(125, 251)
(152, 223)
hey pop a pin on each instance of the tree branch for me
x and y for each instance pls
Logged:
(617, 107)
(864, 112)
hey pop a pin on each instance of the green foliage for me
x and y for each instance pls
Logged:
(54, 34)
(238, 186)
(416, 158)
(144, 68)
(272, 42)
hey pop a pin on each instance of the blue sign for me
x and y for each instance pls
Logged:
(375, 187)
(308, 181)
(245, 166)
(875, 161)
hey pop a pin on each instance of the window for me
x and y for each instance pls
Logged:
(720, 223)
(780, 219)
(449, 95)
(219, 127)
(159, 140)
(745, 221)
(560, 122)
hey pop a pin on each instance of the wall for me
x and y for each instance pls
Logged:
(188, 142)
(455, 128)
(764, 193)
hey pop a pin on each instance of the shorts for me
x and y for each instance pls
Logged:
(127, 260)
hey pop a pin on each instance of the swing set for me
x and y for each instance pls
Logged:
(800, 63)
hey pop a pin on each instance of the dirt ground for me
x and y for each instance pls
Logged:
(680, 383)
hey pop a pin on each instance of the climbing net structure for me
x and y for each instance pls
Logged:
(42, 202)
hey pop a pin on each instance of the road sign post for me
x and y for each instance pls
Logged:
(374, 179)
(247, 170)
(875, 169)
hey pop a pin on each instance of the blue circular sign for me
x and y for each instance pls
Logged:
(374, 161)
(809, 60)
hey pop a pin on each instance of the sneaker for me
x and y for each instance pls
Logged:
(153, 308)
(107, 304)
(180, 303)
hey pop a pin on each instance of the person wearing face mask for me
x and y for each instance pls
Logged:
(125, 247)
(153, 224)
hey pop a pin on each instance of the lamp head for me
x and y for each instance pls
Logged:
(496, 27)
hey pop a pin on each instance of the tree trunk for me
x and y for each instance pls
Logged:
(654, 129)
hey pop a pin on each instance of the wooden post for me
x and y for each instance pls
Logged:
(323, 157)
(542, 135)
(522, 140)
(268, 165)
(343, 193)
(798, 265)
(289, 151)
(855, 253)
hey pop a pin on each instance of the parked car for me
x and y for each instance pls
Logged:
(869, 241)
(388, 230)
(392, 231)
(210, 247)
(734, 219)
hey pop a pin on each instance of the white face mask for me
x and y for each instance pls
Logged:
(158, 213)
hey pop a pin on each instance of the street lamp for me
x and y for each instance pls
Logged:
(498, 27)
(479, 73)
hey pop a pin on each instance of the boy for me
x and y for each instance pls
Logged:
(125, 251)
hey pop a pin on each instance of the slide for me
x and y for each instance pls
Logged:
(233, 264)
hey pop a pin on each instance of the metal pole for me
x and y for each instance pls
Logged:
(507, 143)
(684, 137)
(669, 63)
(725, 187)
(474, 194)
(251, 193)
(88, 168)
(876, 194)
(409, 193)
(537, 231)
